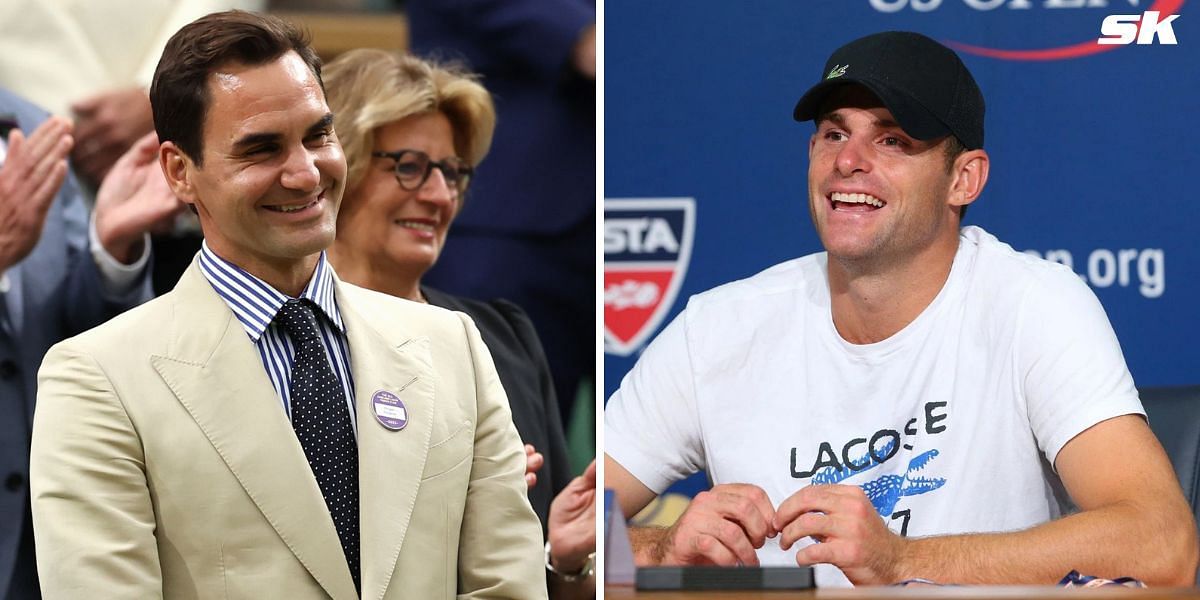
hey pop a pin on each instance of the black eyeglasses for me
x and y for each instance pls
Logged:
(413, 168)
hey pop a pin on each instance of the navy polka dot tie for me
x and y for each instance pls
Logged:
(322, 424)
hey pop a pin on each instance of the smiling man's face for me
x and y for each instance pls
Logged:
(273, 172)
(875, 193)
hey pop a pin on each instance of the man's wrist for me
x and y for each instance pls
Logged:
(117, 277)
(124, 247)
(900, 567)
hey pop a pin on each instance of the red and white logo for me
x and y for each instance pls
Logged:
(647, 246)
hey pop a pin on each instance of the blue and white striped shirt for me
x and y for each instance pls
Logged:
(255, 304)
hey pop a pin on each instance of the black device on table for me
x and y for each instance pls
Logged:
(724, 578)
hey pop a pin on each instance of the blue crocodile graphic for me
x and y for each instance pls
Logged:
(887, 490)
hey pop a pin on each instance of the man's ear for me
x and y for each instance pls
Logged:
(179, 169)
(970, 173)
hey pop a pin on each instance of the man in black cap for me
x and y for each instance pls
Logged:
(955, 400)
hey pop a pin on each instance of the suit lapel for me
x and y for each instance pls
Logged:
(390, 462)
(216, 373)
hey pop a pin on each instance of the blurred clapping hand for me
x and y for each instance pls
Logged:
(34, 169)
(133, 200)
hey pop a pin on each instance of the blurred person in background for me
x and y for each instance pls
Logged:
(59, 275)
(92, 62)
(413, 133)
(529, 232)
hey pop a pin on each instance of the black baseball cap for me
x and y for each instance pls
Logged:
(923, 83)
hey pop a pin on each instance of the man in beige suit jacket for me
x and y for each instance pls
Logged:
(165, 464)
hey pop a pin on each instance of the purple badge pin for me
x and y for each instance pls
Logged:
(389, 410)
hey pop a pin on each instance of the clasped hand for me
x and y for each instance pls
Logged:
(725, 525)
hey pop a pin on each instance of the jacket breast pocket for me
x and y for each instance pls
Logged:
(452, 451)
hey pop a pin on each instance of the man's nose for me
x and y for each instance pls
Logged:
(852, 156)
(300, 172)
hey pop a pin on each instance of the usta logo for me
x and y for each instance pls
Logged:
(647, 246)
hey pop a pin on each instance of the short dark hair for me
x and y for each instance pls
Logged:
(179, 95)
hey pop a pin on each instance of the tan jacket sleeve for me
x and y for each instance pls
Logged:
(500, 549)
(92, 514)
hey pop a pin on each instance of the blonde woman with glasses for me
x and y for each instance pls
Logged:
(413, 132)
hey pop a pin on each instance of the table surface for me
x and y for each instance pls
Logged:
(612, 592)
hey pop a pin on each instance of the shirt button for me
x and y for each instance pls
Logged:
(13, 482)
(8, 369)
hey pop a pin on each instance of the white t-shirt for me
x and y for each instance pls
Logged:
(951, 425)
